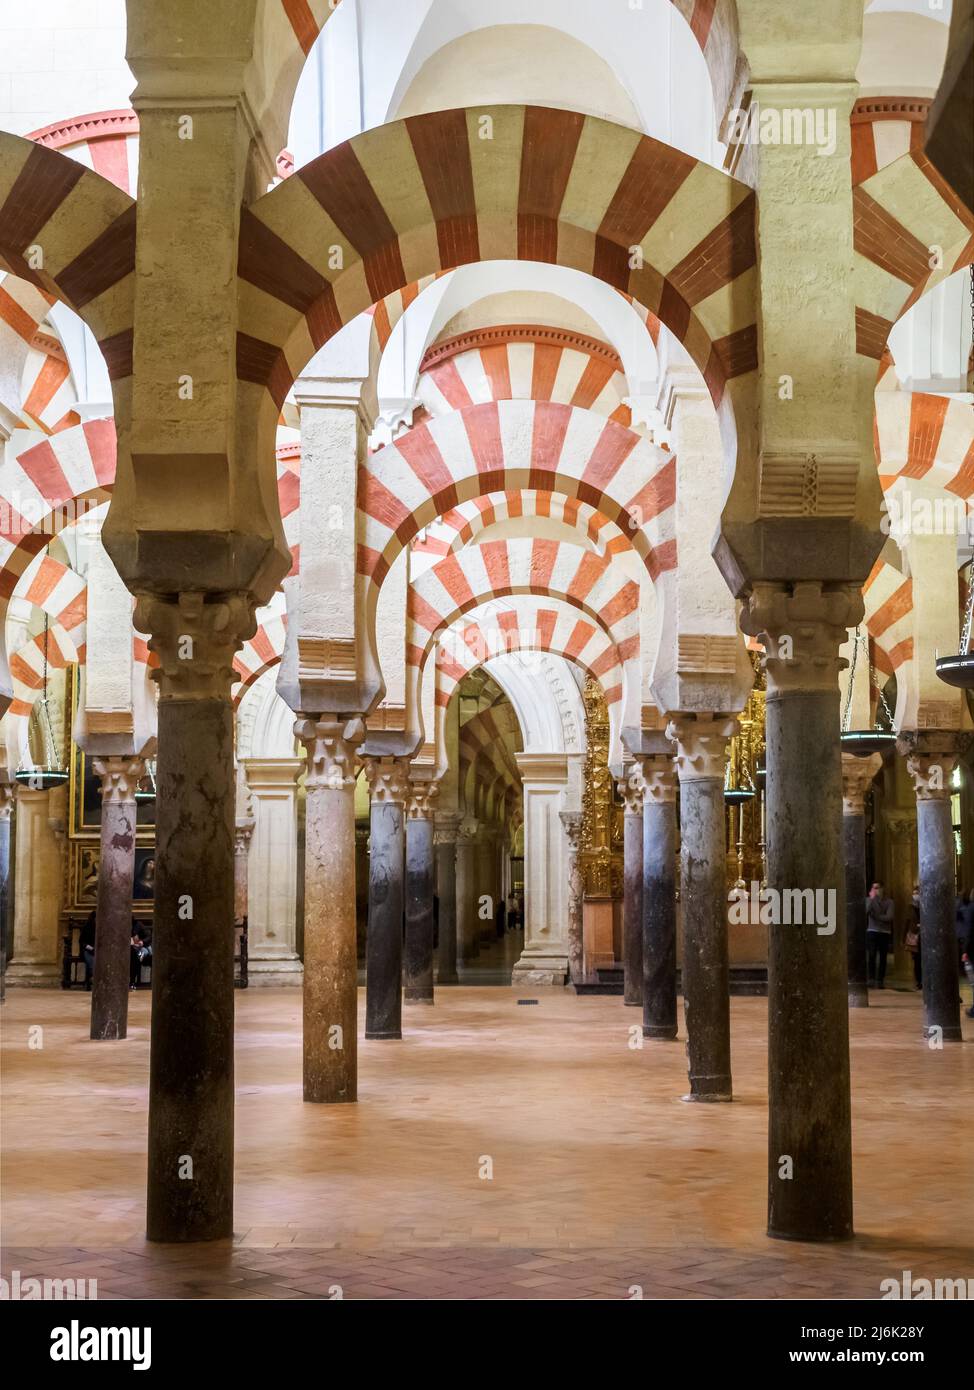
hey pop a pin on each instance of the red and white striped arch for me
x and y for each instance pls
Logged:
(888, 598)
(924, 437)
(524, 362)
(414, 197)
(263, 650)
(457, 527)
(107, 142)
(910, 231)
(515, 445)
(542, 568)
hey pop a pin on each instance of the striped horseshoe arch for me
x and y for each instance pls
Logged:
(71, 233)
(925, 437)
(405, 200)
(457, 527)
(508, 445)
(910, 231)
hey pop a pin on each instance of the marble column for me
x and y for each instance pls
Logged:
(6, 808)
(120, 778)
(445, 837)
(659, 898)
(418, 949)
(36, 957)
(701, 761)
(931, 757)
(330, 1001)
(857, 777)
(272, 869)
(389, 788)
(544, 959)
(243, 832)
(572, 821)
(190, 1150)
(632, 906)
(487, 885)
(468, 944)
(802, 627)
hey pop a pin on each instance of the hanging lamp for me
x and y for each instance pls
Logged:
(863, 742)
(144, 793)
(52, 774)
(959, 670)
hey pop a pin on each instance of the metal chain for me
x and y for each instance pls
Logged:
(965, 640)
(847, 713)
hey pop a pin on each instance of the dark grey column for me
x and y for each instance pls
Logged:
(632, 902)
(190, 1189)
(659, 899)
(931, 758)
(857, 774)
(809, 1113)
(445, 836)
(418, 956)
(383, 960)
(701, 760)
(6, 809)
(468, 944)
(113, 918)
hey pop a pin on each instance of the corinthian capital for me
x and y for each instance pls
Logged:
(659, 779)
(120, 778)
(857, 778)
(701, 745)
(931, 757)
(195, 638)
(388, 780)
(631, 787)
(802, 626)
(330, 745)
(422, 794)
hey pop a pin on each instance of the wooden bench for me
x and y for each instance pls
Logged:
(73, 961)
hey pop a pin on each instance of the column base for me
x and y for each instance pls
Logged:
(715, 1090)
(450, 979)
(417, 996)
(660, 1034)
(540, 970)
(286, 972)
(26, 975)
(395, 1036)
(858, 998)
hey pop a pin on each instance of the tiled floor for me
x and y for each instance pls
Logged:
(601, 1179)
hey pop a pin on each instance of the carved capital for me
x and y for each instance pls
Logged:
(802, 626)
(120, 778)
(857, 778)
(572, 821)
(445, 829)
(422, 794)
(931, 757)
(196, 639)
(6, 799)
(659, 779)
(243, 832)
(388, 780)
(701, 746)
(632, 788)
(330, 745)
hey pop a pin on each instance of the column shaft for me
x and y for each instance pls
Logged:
(387, 848)
(113, 919)
(446, 889)
(706, 974)
(419, 911)
(938, 938)
(659, 918)
(632, 906)
(468, 946)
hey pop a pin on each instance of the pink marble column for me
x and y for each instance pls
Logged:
(113, 923)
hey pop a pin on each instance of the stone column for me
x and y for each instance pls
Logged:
(468, 946)
(487, 884)
(113, 921)
(632, 906)
(900, 873)
(931, 757)
(701, 763)
(6, 807)
(544, 960)
(418, 952)
(36, 959)
(659, 898)
(272, 869)
(802, 628)
(857, 776)
(572, 821)
(242, 835)
(190, 1187)
(389, 788)
(330, 950)
(445, 836)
